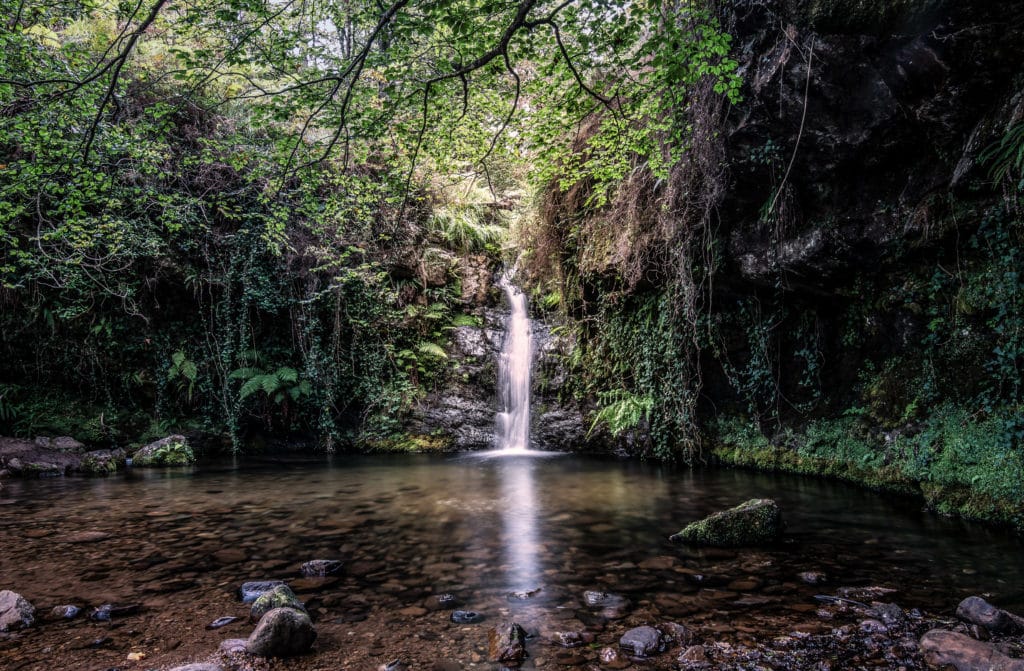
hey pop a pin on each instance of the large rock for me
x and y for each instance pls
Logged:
(281, 596)
(59, 444)
(976, 610)
(282, 632)
(506, 643)
(102, 462)
(169, 451)
(15, 611)
(751, 523)
(642, 642)
(948, 650)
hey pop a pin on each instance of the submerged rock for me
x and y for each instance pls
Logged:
(506, 643)
(466, 617)
(976, 610)
(319, 568)
(281, 596)
(951, 650)
(751, 523)
(282, 632)
(612, 606)
(169, 451)
(250, 591)
(15, 611)
(642, 642)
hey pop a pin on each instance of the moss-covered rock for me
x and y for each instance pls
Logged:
(281, 596)
(102, 462)
(751, 523)
(169, 451)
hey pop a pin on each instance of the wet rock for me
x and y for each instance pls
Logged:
(612, 606)
(394, 665)
(890, 614)
(642, 642)
(15, 611)
(441, 602)
(572, 639)
(812, 577)
(109, 611)
(864, 593)
(522, 595)
(693, 655)
(169, 451)
(59, 444)
(613, 659)
(250, 591)
(976, 610)
(102, 462)
(506, 643)
(281, 596)
(232, 646)
(202, 666)
(466, 617)
(675, 634)
(872, 626)
(282, 632)
(751, 523)
(65, 612)
(951, 650)
(222, 622)
(319, 568)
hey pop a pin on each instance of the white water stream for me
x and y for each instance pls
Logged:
(514, 374)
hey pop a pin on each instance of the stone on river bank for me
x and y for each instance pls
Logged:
(506, 643)
(169, 451)
(282, 632)
(976, 610)
(752, 522)
(952, 650)
(15, 611)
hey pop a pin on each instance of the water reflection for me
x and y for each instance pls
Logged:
(520, 517)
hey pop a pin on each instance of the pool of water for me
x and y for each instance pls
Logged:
(179, 542)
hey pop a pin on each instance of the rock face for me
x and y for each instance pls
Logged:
(15, 611)
(282, 632)
(951, 650)
(976, 610)
(169, 451)
(506, 643)
(753, 522)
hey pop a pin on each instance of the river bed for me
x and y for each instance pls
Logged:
(179, 542)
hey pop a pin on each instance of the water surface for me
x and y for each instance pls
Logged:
(179, 542)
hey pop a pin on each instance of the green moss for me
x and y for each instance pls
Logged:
(173, 451)
(751, 523)
(959, 465)
(410, 442)
(281, 596)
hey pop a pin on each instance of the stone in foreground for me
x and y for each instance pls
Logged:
(15, 611)
(283, 632)
(506, 643)
(976, 610)
(642, 642)
(950, 650)
(753, 522)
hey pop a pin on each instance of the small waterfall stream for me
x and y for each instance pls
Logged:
(514, 374)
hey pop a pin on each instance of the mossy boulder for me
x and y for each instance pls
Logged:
(753, 522)
(281, 596)
(169, 451)
(102, 462)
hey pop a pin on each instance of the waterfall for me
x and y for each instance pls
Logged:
(514, 374)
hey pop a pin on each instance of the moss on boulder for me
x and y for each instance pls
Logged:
(169, 451)
(281, 596)
(751, 523)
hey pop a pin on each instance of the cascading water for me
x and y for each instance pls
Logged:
(514, 374)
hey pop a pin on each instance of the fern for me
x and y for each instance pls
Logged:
(431, 349)
(1006, 155)
(622, 411)
(465, 320)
